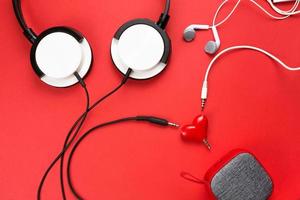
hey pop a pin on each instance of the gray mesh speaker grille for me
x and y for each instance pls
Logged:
(243, 178)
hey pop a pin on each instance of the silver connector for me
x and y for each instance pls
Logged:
(205, 141)
(203, 102)
(173, 124)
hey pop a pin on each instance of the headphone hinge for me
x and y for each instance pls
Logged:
(30, 35)
(163, 20)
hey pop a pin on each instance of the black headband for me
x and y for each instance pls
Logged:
(28, 32)
(31, 36)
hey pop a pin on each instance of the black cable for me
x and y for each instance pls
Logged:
(164, 17)
(81, 123)
(67, 143)
(81, 120)
(126, 77)
(154, 120)
(28, 32)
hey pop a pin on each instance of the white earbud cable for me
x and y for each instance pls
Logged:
(292, 11)
(227, 17)
(268, 13)
(286, 14)
(204, 92)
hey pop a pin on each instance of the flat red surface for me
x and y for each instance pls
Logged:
(253, 103)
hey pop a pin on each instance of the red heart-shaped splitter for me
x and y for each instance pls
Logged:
(196, 132)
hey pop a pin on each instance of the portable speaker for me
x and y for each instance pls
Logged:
(239, 176)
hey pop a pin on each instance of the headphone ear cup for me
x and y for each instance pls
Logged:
(135, 37)
(189, 34)
(211, 47)
(58, 53)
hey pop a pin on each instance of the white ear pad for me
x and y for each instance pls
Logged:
(211, 47)
(189, 34)
(58, 55)
(142, 46)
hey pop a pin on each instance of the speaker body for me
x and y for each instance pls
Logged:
(239, 176)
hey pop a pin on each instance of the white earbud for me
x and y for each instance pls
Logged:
(211, 46)
(189, 33)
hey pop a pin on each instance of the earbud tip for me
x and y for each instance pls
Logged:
(189, 35)
(211, 47)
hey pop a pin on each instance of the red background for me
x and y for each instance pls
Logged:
(253, 103)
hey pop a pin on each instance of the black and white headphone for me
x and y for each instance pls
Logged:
(62, 57)
(59, 55)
